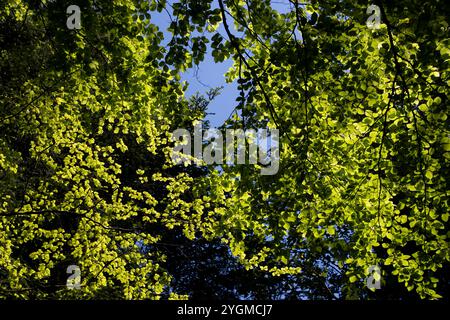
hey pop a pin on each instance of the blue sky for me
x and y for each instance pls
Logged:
(210, 74)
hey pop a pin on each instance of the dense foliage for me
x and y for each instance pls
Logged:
(86, 176)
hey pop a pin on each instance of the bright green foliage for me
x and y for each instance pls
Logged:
(86, 176)
(85, 158)
(365, 158)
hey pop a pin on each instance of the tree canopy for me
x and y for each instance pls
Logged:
(87, 177)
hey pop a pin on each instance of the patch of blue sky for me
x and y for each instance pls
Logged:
(210, 74)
